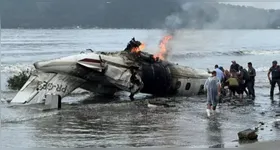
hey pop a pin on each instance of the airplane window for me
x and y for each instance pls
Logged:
(178, 84)
(188, 86)
(201, 90)
(201, 87)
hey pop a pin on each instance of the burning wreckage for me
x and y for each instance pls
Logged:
(130, 70)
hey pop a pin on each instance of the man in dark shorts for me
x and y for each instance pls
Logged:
(275, 74)
(244, 76)
(241, 86)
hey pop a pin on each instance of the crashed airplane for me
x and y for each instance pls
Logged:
(130, 70)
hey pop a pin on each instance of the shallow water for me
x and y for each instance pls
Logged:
(122, 123)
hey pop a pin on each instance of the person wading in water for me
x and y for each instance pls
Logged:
(244, 76)
(213, 88)
(251, 81)
(275, 73)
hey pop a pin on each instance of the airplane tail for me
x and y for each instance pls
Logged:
(39, 84)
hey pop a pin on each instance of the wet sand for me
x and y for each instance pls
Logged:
(124, 123)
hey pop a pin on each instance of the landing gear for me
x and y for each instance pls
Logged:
(137, 83)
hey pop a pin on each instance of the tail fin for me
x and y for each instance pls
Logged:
(39, 84)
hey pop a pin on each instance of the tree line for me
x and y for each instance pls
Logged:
(134, 14)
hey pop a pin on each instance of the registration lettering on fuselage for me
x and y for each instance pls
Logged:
(44, 85)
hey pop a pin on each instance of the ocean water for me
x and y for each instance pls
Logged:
(124, 123)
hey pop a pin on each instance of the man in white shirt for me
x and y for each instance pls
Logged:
(219, 72)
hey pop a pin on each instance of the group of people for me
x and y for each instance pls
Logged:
(238, 80)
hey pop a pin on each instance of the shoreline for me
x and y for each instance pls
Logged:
(259, 143)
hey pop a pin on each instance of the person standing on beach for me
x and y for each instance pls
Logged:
(244, 76)
(251, 81)
(213, 88)
(275, 73)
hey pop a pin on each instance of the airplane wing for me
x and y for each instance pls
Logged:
(39, 84)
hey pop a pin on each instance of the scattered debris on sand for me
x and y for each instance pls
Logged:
(166, 102)
(277, 112)
(261, 123)
(217, 146)
(276, 124)
(248, 134)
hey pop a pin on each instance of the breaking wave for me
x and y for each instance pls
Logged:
(218, 53)
(262, 69)
(16, 68)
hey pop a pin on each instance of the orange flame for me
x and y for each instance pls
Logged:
(162, 53)
(142, 46)
(138, 49)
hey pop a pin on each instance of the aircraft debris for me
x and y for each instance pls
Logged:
(247, 134)
(131, 70)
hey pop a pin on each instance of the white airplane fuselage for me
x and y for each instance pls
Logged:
(107, 74)
(186, 82)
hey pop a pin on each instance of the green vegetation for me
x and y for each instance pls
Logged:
(16, 81)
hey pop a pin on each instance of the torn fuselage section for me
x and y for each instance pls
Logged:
(126, 79)
(110, 71)
(157, 78)
(166, 79)
(154, 76)
(146, 74)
